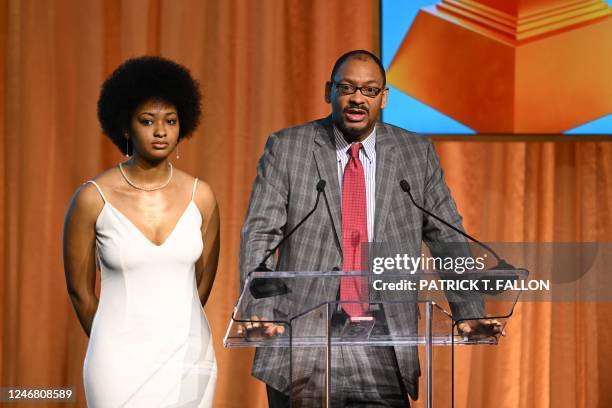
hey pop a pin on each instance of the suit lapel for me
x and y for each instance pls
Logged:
(386, 180)
(327, 166)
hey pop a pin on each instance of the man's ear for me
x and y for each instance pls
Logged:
(384, 98)
(328, 89)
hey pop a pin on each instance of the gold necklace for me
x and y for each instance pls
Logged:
(145, 188)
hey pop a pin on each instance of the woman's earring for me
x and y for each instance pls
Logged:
(127, 145)
(177, 152)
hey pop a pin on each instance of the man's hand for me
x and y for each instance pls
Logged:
(255, 329)
(480, 327)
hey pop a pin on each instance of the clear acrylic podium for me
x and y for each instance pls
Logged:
(403, 311)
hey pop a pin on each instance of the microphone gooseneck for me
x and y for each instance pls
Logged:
(268, 287)
(262, 265)
(501, 263)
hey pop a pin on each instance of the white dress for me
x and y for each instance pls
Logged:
(150, 343)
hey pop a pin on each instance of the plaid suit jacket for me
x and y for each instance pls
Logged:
(294, 161)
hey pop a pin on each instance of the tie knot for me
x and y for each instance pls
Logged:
(354, 150)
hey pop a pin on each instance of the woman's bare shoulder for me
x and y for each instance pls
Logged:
(89, 198)
(204, 196)
(86, 203)
(188, 180)
(108, 178)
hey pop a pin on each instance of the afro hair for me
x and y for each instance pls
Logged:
(143, 79)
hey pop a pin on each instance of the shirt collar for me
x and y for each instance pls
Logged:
(369, 144)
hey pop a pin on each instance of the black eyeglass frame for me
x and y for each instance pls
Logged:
(358, 88)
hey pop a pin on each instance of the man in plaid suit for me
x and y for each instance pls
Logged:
(349, 144)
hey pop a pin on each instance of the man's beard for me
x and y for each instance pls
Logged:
(351, 134)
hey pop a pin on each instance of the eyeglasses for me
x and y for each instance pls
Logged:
(349, 89)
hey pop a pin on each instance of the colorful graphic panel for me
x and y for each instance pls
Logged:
(498, 66)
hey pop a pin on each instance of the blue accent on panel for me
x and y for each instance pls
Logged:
(408, 113)
(397, 17)
(599, 126)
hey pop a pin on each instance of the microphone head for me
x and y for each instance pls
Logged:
(405, 186)
(503, 265)
(321, 185)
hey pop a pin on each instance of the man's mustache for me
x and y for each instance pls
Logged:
(357, 107)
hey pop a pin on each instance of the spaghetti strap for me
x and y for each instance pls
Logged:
(98, 188)
(195, 184)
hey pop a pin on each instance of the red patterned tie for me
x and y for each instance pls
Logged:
(354, 233)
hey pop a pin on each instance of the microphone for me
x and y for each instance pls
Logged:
(266, 287)
(501, 263)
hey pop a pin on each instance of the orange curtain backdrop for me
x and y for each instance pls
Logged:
(262, 66)
(554, 354)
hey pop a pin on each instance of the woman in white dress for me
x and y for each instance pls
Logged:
(153, 232)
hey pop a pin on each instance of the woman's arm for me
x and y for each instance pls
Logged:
(79, 253)
(206, 266)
